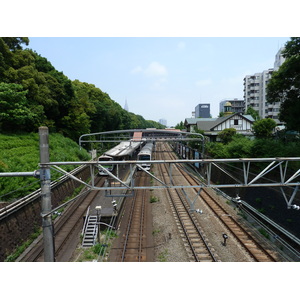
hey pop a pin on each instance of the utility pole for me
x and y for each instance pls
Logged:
(46, 196)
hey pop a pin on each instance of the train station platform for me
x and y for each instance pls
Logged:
(106, 199)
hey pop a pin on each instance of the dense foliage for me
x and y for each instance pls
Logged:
(253, 113)
(284, 85)
(33, 93)
(227, 135)
(264, 128)
(241, 146)
(20, 153)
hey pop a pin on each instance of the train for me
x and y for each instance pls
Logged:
(124, 150)
(146, 154)
(107, 166)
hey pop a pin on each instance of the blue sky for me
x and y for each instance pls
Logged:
(163, 56)
(162, 77)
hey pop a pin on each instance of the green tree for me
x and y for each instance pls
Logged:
(264, 128)
(252, 112)
(180, 126)
(14, 43)
(227, 134)
(216, 150)
(16, 114)
(239, 146)
(284, 86)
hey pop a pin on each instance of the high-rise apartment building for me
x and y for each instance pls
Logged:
(237, 105)
(202, 110)
(255, 91)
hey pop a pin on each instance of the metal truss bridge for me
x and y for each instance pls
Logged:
(276, 166)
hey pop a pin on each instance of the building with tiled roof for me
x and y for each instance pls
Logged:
(211, 127)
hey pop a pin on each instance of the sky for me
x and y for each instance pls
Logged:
(162, 77)
(164, 57)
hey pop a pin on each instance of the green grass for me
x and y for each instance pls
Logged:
(20, 249)
(153, 199)
(20, 153)
(264, 232)
(163, 256)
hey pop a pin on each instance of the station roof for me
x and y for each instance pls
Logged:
(137, 136)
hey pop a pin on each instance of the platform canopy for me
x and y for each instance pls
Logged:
(144, 135)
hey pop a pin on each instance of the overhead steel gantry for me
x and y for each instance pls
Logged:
(150, 134)
(280, 165)
(277, 166)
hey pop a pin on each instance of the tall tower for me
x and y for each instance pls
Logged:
(126, 105)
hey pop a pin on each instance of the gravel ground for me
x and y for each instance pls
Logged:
(168, 241)
(170, 244)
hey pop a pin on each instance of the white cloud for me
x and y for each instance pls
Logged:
(156, 69)
(204, 82)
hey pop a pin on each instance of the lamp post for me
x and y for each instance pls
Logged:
(225, 236)
(98, 210)
(114, 203)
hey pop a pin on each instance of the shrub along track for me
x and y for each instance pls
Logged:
(66, 230)
(246, 240)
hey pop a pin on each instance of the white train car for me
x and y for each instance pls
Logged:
(124, 150)
(107, 166)
(146, 154)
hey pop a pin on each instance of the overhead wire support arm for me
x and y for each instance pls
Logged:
(35, 174)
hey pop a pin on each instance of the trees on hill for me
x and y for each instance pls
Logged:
(34, 93)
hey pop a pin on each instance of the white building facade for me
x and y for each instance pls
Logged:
(255, 91)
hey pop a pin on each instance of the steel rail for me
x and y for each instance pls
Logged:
(135, 206)
(191, 218)
(235, 227)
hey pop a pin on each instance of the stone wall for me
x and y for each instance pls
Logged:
(17, 227)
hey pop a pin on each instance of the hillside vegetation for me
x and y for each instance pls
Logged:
(20, 153)
(33, 94)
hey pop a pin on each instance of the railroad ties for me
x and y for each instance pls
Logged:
(196, 242)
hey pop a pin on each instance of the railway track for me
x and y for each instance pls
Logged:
(133, 241)
(246, 240)
(66, 230)
(133, 244)
(197, 244)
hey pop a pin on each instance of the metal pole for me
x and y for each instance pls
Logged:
(46, 196)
